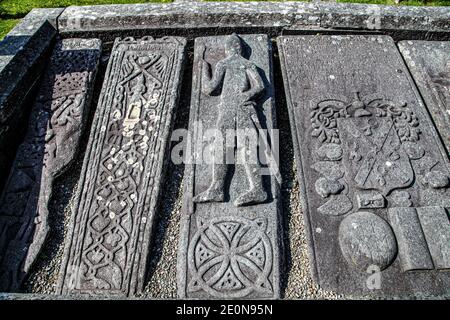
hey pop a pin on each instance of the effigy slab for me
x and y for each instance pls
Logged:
(56, 124)
(429, 63)
(229, 240)
(373, 174)
(107, 245)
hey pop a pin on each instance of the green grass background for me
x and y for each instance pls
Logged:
(12, 10)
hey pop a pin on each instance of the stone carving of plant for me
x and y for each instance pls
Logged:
(323, 120)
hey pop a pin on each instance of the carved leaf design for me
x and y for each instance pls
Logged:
(323, 120)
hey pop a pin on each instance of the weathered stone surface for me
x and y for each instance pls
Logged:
(108, 240)
(429, 63)
(57, 121)
(378, 17)
(229, 241)
(183, 15)
(288, 15)
(23, 55)
(413, 250)
(354, 93)
(436, 227)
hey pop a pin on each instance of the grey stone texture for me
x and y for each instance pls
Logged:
(288, 15)
(429, 63)
(23, 54)
(57, 121)
(108, 242)
(369, 160)
(229, 243)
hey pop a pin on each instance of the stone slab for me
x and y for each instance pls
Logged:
(285, 15)
(56, 123)
(361, 133)
(184, 15)
(435, 225)
(412, 246)
(23, 55)
(229, 239)
(109, 235)
(381, 17)
(429, 63)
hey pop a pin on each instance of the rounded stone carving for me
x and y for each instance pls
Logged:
(366, 240)
(437, 179)
(331, 151)
(325, 187)
(413, 150)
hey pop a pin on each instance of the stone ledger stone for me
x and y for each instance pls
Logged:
(109, 237)
(57, 121)
(24, 53)
(229, 240)
(373, 173)
(429, 63)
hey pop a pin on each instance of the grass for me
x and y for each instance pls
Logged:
(403, 2)
(12, 10)
(6, 25)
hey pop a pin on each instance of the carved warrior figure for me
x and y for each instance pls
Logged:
(229, 251)
(240, 85)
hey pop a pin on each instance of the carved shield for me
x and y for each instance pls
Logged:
(373, 154)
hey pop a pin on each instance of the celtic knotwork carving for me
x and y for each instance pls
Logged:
(230, 257)
(56, 123)
(120, 182)
(135, 115)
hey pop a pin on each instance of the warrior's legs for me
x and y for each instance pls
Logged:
(216, 190)
(248, 151)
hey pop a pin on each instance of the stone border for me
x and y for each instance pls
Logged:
(284, 15)
(23, 46)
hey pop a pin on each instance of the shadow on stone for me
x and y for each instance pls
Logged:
(171, 191)
(43, 274)
(286, 165)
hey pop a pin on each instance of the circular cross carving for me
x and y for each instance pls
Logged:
(230, 258)
(367, 240)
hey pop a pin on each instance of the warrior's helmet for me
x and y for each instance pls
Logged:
(233, 45)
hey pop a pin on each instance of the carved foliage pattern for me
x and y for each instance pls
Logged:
(371, 144)
(326, 118)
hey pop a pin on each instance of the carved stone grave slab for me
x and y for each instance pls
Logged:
(229, 238)
(108, 241)
(373, 174)
(56, 123)
(429, 63)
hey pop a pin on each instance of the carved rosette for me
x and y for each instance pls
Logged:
(230, 258)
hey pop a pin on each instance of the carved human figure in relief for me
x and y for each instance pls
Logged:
(240, 84)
